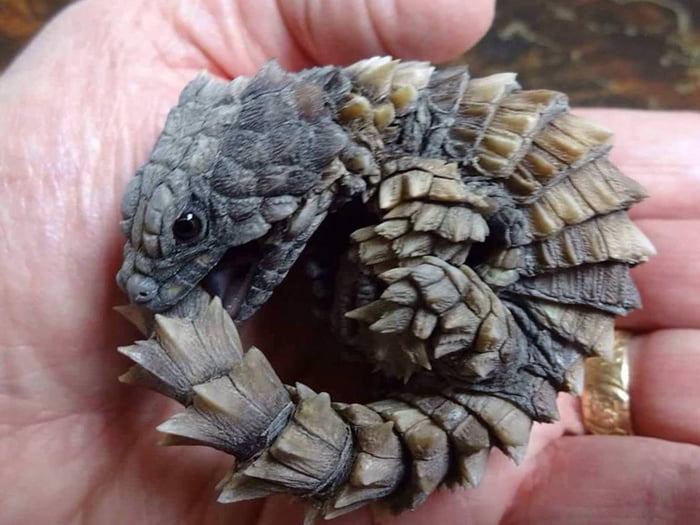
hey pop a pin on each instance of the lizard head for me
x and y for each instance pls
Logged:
(234, 187)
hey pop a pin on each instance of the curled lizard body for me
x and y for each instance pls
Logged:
(496, 259)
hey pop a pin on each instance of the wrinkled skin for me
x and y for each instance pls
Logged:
(79, 111)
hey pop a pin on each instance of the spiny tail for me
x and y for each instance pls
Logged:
(338, 457)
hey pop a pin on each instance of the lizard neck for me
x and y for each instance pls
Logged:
(397, 110)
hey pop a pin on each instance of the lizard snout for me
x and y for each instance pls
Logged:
(141, 289)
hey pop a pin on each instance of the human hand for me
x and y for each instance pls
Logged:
(79, 111)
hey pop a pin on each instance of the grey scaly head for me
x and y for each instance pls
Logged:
(247, 167)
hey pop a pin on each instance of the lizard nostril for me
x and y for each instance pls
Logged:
(140, 288)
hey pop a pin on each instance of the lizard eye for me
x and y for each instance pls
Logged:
(187, 226)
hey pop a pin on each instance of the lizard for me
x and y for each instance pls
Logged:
(493, 258)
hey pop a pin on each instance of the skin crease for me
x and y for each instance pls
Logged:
(79, 111)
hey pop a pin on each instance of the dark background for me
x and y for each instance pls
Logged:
(629, 53)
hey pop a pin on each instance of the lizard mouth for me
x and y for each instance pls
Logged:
(232, 277)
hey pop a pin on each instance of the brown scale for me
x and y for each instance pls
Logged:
(454, 306)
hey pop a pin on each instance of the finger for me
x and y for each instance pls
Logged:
(665, 392)
(285, 509)
(333, 32)
(610, 479)
(668, 283)
(240, 36)
(661, 150)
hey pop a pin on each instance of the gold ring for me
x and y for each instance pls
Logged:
(606, 400)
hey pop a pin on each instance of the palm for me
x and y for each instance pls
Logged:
(79, 112)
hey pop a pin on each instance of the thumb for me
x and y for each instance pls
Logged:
(342, 32)
(238, 36)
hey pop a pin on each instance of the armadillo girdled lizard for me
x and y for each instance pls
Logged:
(496, 258)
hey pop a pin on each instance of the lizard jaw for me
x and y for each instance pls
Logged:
(232, 276)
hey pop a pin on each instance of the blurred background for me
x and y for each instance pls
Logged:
(626, 53)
